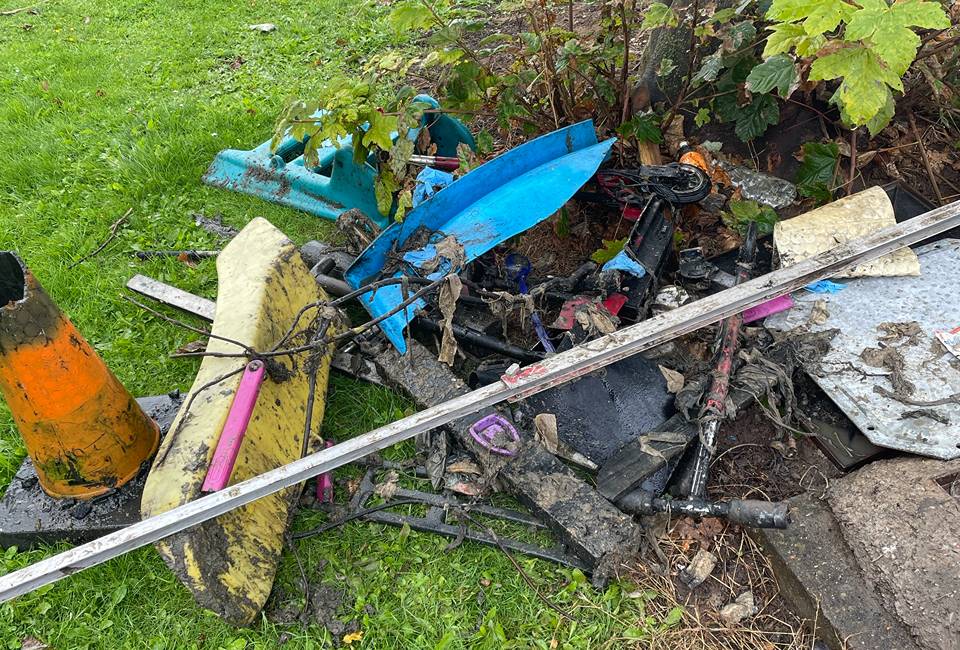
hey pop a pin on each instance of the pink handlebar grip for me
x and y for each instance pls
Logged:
(235, 428)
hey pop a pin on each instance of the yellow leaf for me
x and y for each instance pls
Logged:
(353, 636)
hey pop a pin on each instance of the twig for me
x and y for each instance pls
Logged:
(926, 161)
(187, 326)
(350, 333)
(185, 409)
(313, 369)
(853, 160)
(113, 233)
(303, 580)
(626, 61)
(939, 47)
(688, 79)
(952, 399)
(13, 12)
(810, 108)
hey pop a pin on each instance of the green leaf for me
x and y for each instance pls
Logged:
(410, 15)
(712, 65)
(878, 122)
(381, 130)
(702, 117)
(886, 28)
(673, 617)
(786, 36)
(645, 128)
(816, 16)
(666, 67)
(738, 35)
(484, 143)
(723, 16)
(742, 213)
(753, 119)
(493, 39)
(816, 170)
(778, 72)
(562, 226)
(611, 247)
(383, 188)
(863, 90)
(659, 15)
(400, 154)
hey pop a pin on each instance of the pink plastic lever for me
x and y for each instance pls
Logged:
(768, 308)
(235, 428)
(325, 482)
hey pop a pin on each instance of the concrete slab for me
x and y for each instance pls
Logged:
(29, 517)
(821, 581)
(901, 518)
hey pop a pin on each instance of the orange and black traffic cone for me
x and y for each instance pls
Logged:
(84, 432)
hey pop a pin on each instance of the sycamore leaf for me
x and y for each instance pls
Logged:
(611, 247)
(876, 123)
(410, 15)
(816, 170)
(863, 90)
(381, 130)
(778, 72)
(786, 36)
(754, 118)
(816, 16)
(887, 28)
(659, 15)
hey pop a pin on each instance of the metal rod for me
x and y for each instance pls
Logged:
(715, 408)
(554, 371)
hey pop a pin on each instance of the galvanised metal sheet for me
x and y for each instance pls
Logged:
(863, 313)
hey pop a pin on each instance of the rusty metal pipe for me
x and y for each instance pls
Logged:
(84, 432)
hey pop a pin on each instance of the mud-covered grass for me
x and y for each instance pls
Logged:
(109, 107)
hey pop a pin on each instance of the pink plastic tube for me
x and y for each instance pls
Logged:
(235, 428)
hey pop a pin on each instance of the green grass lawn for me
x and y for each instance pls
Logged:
(106, 107)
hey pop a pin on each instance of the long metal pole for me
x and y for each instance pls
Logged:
(529, 380)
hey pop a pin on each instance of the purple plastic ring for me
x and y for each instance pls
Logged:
(486, 430)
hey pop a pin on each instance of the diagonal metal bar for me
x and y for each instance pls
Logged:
(529, 380)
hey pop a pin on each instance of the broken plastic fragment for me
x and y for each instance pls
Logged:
(429, 182)
(824, 286)
(623, 262)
